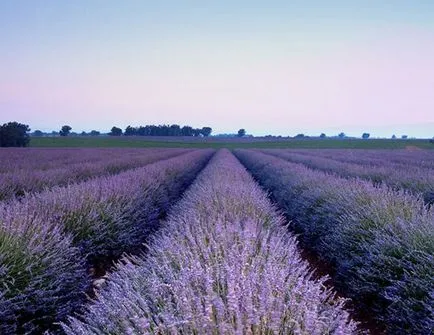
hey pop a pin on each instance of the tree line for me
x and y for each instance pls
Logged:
(148, 130)
(14, 134)
(163, 130)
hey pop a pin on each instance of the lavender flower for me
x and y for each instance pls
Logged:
(43, 277)
(403, 174)
(32, 170)
(47, 238)
(222, 264)
(380, 240)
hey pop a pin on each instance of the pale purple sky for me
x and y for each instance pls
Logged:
(275, 69)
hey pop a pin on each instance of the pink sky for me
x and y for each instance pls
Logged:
(279, 81)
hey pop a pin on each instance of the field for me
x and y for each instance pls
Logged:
(229, 143)
(181, 238)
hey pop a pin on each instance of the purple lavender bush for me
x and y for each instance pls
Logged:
(43, 278)
(44, 159)
(48, 239)
(110, 215)
(222, 264)
(377, 157)
(64, 169)
(381, 241)
(405, 176)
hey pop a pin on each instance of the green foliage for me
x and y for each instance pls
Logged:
(167, 130)
(241, 132)
(65, 130)
(14, 134)
(230, 143)
(115, 131)
(206, 131)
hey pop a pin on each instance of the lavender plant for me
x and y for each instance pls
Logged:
(43, 278)
(17, 159)
(29, 173)
(46, 238)
(110, 215)
(381, 241)
(401, 176)
(223, 264)
(400, 158)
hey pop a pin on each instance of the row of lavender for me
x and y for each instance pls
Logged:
(38, 159)
(49, 240)
(222, 264)
(416, 157)
(14, 159)
(32, 170)
(411, 177)
(380, 241)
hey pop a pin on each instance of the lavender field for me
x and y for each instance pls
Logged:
(33, 170)
(198, 241)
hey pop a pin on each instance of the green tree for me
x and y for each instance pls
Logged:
(365, 135)
(65, 130)
(174, 130)
(206, 131)
(14, 134)
(115, 131)
(187, 131)
(241, 132)
(341, 135)
(94, 133)
(322, 135)
(130, 131)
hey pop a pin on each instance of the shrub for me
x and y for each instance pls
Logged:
(407, 176)
(43, 277)
(110, 215)
(36, 169)
(223, 263)
(47, 239)
(378, 239)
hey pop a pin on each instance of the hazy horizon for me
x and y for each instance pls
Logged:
(305, 67)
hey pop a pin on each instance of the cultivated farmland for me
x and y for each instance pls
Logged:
(183, 241)
(379, 240)
(33, 170)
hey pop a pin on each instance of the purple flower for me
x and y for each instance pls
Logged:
(379, 239)
(223, 262)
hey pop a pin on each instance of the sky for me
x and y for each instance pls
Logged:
(271, 67)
